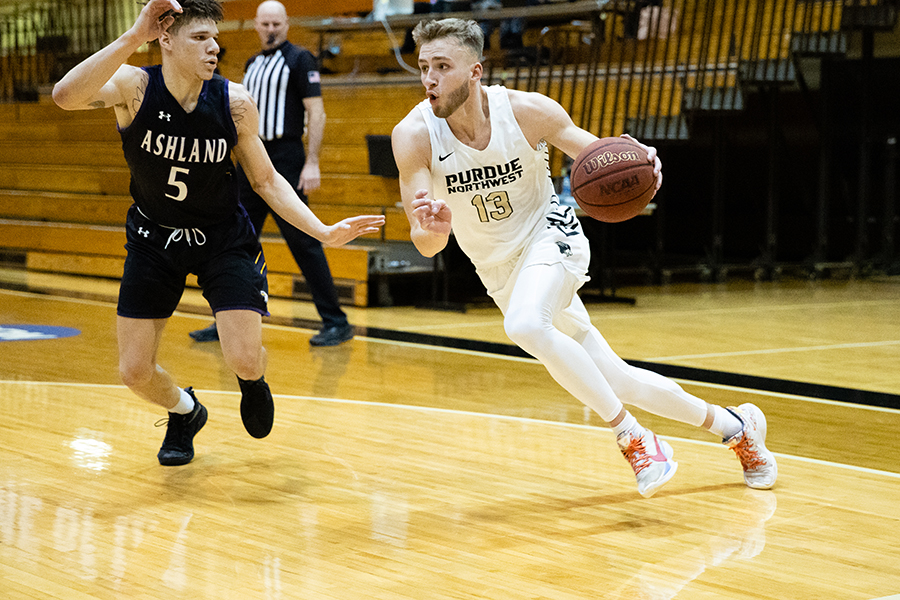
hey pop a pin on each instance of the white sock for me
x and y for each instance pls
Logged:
(185, 404)
(725, 424)
(629, 423)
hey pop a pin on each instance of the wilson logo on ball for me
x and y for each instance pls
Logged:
(608, 158)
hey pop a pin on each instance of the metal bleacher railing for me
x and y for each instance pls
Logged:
(645, 65)
(617, 64)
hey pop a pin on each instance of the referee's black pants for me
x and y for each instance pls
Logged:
(288, 157)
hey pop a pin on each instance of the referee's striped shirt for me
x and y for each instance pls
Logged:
(279, 80)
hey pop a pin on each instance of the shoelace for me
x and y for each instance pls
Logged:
(749, 457)
(636, 454)
(175, 434)
(177, 234)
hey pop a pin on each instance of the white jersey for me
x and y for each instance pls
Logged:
(499, 196)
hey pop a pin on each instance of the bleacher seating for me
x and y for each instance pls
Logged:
(64, 192)
(64, 183)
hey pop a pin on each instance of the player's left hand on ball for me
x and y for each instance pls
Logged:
(652, 157)
(349, 229)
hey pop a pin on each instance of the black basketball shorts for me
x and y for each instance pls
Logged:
(226, 258)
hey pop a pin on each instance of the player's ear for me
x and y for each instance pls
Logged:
(477, 71)
(165, 39)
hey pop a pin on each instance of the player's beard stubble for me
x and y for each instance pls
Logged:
(454, 100)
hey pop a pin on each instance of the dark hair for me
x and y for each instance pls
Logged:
(468, 33)
(196, 9)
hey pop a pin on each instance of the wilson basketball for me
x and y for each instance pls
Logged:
(611, 179)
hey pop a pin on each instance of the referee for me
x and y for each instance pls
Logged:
(283, 79)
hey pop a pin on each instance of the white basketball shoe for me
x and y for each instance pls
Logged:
(650, 458)
(760, 468)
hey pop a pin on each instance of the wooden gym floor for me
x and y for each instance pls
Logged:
(426, 459)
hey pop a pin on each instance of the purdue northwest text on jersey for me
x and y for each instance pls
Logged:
(482, 178)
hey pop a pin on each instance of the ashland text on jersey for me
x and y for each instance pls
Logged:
(185, 149)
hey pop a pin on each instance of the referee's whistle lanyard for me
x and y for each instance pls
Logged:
(178, 234)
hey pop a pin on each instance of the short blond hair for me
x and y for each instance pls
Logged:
(467, 32)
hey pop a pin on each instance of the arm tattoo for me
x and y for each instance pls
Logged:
(237, 110)
(98, 104)
(139, 93)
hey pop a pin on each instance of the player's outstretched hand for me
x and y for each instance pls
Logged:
(155, 18)
(349, 229)
(652, 157)
(433, 215)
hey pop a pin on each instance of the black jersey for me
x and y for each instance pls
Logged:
(181, 170)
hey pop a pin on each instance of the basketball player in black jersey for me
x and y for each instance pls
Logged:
(180, 124)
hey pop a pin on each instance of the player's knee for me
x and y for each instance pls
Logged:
(246, 364)
(136, 375)
(528, 333)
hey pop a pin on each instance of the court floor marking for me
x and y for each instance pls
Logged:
(483, 354)
(534, 361)
(722, 386)
(650, 313)
(70, 299)
(764, 351)
(431, 409)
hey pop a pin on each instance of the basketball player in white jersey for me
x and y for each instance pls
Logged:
(474, 159)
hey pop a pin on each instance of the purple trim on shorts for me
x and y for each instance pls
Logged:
(121, 314)
(264, 313)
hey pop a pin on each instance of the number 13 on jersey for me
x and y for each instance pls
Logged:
(494, 206)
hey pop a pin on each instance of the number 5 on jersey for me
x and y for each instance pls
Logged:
(180, 186)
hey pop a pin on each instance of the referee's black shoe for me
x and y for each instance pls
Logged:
(207, 334)
(332, 336)
(178, 445)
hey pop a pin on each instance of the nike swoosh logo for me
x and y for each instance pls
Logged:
(660, 455)
(445, 157)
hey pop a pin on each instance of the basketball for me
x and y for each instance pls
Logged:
(611, 179)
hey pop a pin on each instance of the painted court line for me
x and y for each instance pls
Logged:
(722, 386)
(649, 313)
(719, 386)
(777, 350)
(495, 356)
(431, 409)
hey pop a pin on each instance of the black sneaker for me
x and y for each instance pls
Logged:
(257, 407)
(207, 334)
(178, 446)
(332, 336)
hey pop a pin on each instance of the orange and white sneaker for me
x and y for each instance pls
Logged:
(650, 458)
(760, 468)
